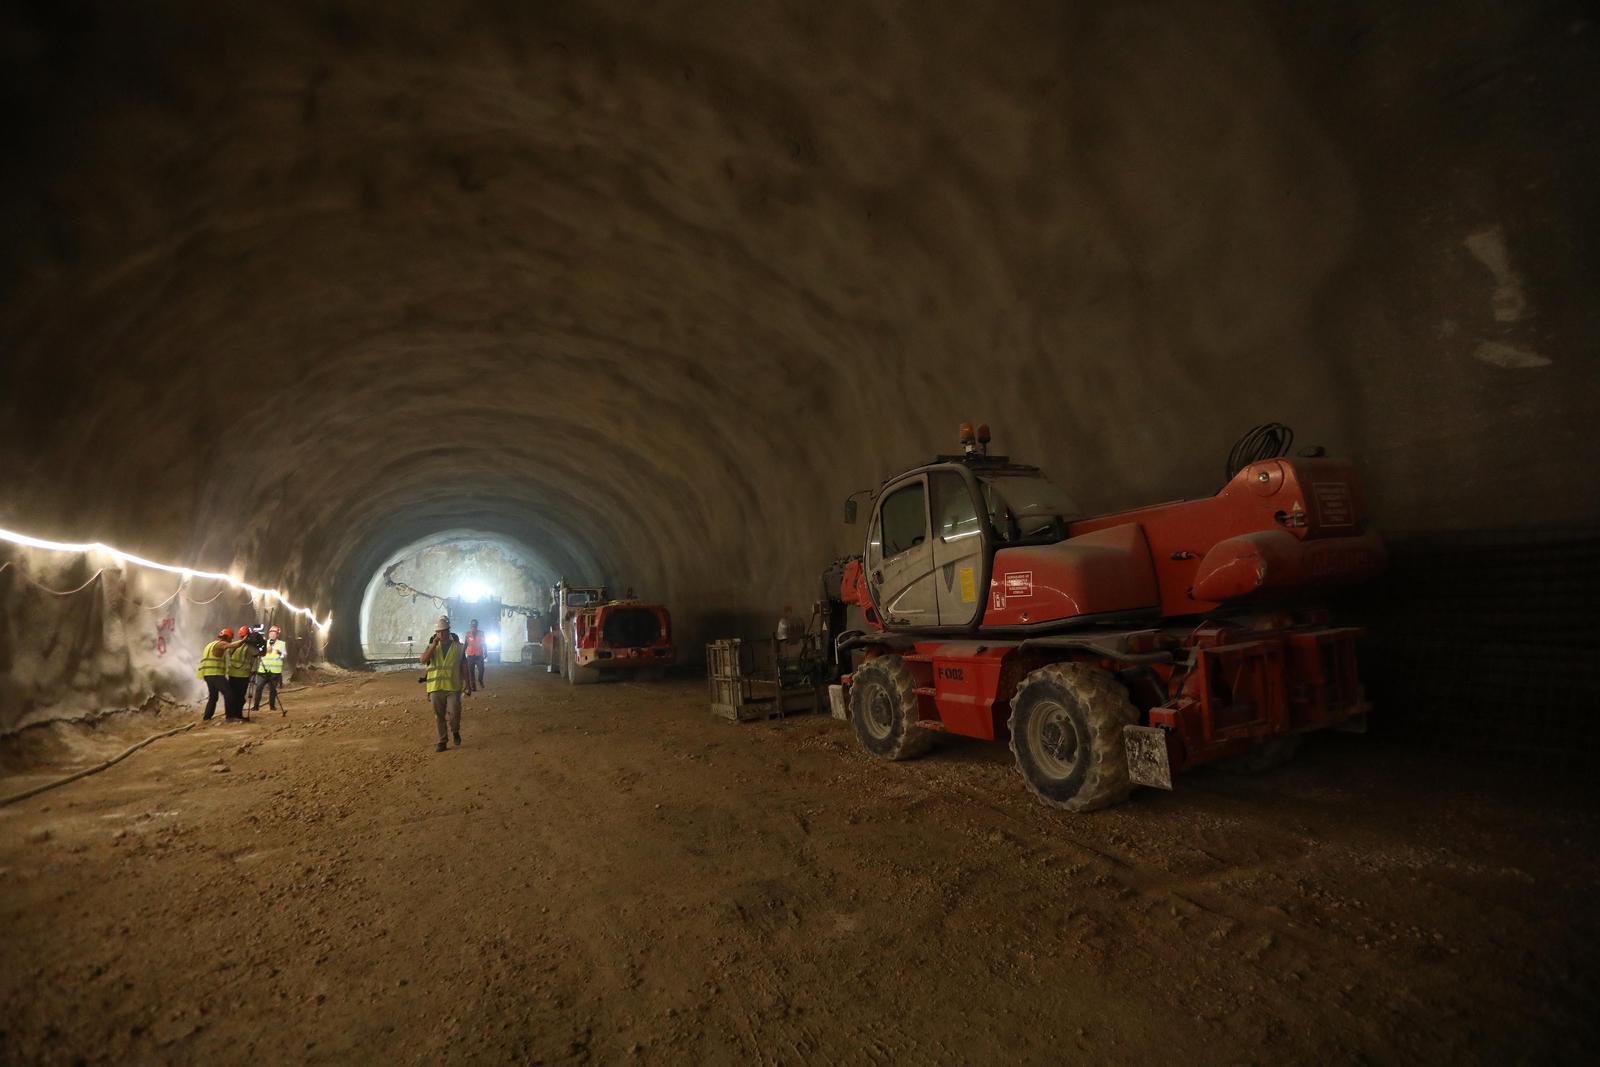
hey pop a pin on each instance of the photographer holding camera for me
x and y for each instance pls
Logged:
(270, 668)
(240, 664)
(446, 678)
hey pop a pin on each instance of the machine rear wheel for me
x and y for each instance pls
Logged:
(883, 710)
(1066, 734)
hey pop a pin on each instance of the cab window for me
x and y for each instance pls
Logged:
(955, 516)
(1026, 509)
(905, 519)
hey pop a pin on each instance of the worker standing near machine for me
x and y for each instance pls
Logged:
(446, 662)
(239, 664)
(213, 670)
(476, 650)
(270, 669)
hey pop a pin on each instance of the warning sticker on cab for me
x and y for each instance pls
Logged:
(969, 587)
(1019, 583)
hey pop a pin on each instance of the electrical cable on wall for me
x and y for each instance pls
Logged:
(186, 572)
(404, 589)
(164, 603)
(54, 592)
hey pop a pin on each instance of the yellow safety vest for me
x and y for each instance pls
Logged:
(444, 669)
(210, 662)
(239, 662)
(272, 658)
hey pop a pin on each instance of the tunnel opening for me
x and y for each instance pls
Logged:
(466, 575)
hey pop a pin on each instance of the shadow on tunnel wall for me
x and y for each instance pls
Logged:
(1488, 641)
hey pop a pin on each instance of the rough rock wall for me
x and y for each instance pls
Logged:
(81, 634)
(651, 287)
(512, 575)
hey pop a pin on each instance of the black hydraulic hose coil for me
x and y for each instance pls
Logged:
(1267, 441)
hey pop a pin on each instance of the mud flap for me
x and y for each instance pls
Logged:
(836, 703)
(1147, 756)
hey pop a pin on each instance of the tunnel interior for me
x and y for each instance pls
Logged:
(290, 288)
(339, 315)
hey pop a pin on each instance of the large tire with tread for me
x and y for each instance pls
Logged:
(883, 710)
(1264, 756)
(1066, 734)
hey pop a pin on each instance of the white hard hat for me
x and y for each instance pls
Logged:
(442, 624)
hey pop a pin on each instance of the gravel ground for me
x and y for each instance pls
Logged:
(609, 874)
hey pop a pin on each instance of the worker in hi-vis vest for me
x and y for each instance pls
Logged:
(239, 664)
(447, 663)
(269, 669)
(213, 670)
(476, 648)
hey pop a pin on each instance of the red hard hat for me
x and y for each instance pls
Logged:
(244, 628)
(224, 632)
(273, 630)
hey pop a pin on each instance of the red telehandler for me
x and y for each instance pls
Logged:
(1114, 650)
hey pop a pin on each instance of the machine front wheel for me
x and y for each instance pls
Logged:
(1066, 733)
(883, 710)
(577, 675)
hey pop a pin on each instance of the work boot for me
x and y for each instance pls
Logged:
(441, 747)
(458, 738)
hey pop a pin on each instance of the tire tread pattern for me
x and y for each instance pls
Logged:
(1105, 701)
(914, 740)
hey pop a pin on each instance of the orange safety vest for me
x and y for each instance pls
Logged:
(474, 642)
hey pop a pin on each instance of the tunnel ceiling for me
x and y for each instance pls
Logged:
(650, 288)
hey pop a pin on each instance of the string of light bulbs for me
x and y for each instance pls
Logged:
(186, 572)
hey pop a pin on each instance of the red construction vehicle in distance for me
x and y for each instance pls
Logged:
(591, 634)
(1114, 650)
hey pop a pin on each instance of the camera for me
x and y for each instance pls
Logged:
(255, 639)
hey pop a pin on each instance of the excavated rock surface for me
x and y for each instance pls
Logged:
(394, 622)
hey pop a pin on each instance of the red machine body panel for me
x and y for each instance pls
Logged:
(618, 635)
(1278, 524)
(957, 683)
(1103, 570)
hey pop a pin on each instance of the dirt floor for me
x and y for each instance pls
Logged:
(609, 874)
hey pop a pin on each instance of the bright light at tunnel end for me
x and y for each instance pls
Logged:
(472, 589)
(184, 572)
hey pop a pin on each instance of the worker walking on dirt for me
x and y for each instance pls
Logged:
(214, 670)
(446, 679)
(476, 650)
(270, 669)
(239, 664)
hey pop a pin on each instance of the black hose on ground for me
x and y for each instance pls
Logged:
(96, 769)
